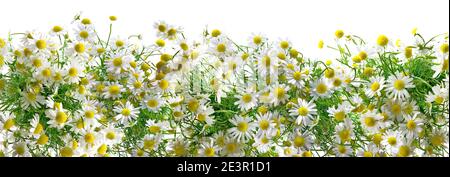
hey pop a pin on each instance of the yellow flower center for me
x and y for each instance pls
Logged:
(411, 125)
(9, 124)
(89, 138)
(126, 112)
(299, 141)
(154, 129)
(242, 126)
(369, 121)
(43, 139)
(363, 55)
(321, 88)
(221, 47)
(264, 124)
(114, 90)
(160, 42)
(61, 117)
(339, 116)
(110, 135)
(163, 84)
(399, 84)
(404, 151)
(37, 62)
(382, 40)
(66, 152)
(117, 62)
(215, 33)
(339, 34)
(342, 149)
(89, 114)
(84, 34)
(152, 103)
(247, 98)
(367, 154)
(162, 28)
(375, 86)
(444, 48)
(257, 40)
(280, 92)
(209, 152)
(193, 105)
(408, 52)
(392, 141)
(102, 149)
(39, 128)
(79, 47)
(303, 111)
(437, 140)
(439, 99)
(47, 72)
(284, 44)
(344, 135)
(73, 72)
(41, 44)
(149, 144)
(297, 75)
(119, 43)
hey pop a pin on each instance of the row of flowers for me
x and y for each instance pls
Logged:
(67, 92)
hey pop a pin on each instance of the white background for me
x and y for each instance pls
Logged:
(303, 22)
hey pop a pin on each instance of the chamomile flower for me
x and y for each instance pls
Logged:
(370, 150)
(437, 95)
(321, 88)
(257, 39)
(114, 90)
(31, 98)
(296, 77)
(209, 149)
(21, 150)
(301, 140)
(84, 33)
(398, 85)
(74, 71)
(151, 142)
(232, 148)
(412, 126)
(247, 99)
(375, 86)
(343, 150)
(153, 102)
(205, 115)
(370, 121)
(178, 147)
(263, 143)
(243, 128)
(304, 112)
(126, 113)
(391, 139)
(112, 135)
(340, 112)
(37, 128)
(344, 131)
(7, 122)
(58, 117)
(265, 125)
(278, 93)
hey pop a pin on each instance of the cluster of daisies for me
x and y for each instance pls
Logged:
(67, 92)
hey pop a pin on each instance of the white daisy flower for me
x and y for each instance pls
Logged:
(375, 86)
(398, 84)
(304, 111)
(243, 130)
(126, 113)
